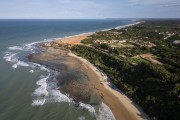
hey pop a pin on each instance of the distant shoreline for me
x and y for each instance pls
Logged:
(90, 33)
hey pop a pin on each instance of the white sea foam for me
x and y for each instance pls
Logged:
(88, 107)
(15, 48)
(19, 63)
(44, 68)
(12, 57)
(15, 66)
(9, 56)
(105, 113)
(48, 89)
(30, 47)
(31, 71)
(42, 87)
(40, 92)
(56, 96)
(41, 67)
(38, 102)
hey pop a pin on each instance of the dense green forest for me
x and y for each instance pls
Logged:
(155, 87)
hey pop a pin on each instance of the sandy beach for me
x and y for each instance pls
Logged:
(73, 40)
(121, 106)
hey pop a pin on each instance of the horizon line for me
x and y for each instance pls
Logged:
(78, 18)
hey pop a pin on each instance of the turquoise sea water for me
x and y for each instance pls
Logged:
(25, 93)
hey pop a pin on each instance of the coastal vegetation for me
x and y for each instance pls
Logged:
(143, 61)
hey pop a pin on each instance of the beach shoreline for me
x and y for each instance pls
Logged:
(124, 108)
(121, 106)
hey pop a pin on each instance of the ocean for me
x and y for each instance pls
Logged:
(25, 93)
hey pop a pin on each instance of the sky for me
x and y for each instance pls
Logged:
(88, 9)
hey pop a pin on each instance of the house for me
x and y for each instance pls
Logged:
(176, 41)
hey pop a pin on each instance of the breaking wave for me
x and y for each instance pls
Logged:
(47, 91)
(102, 113)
